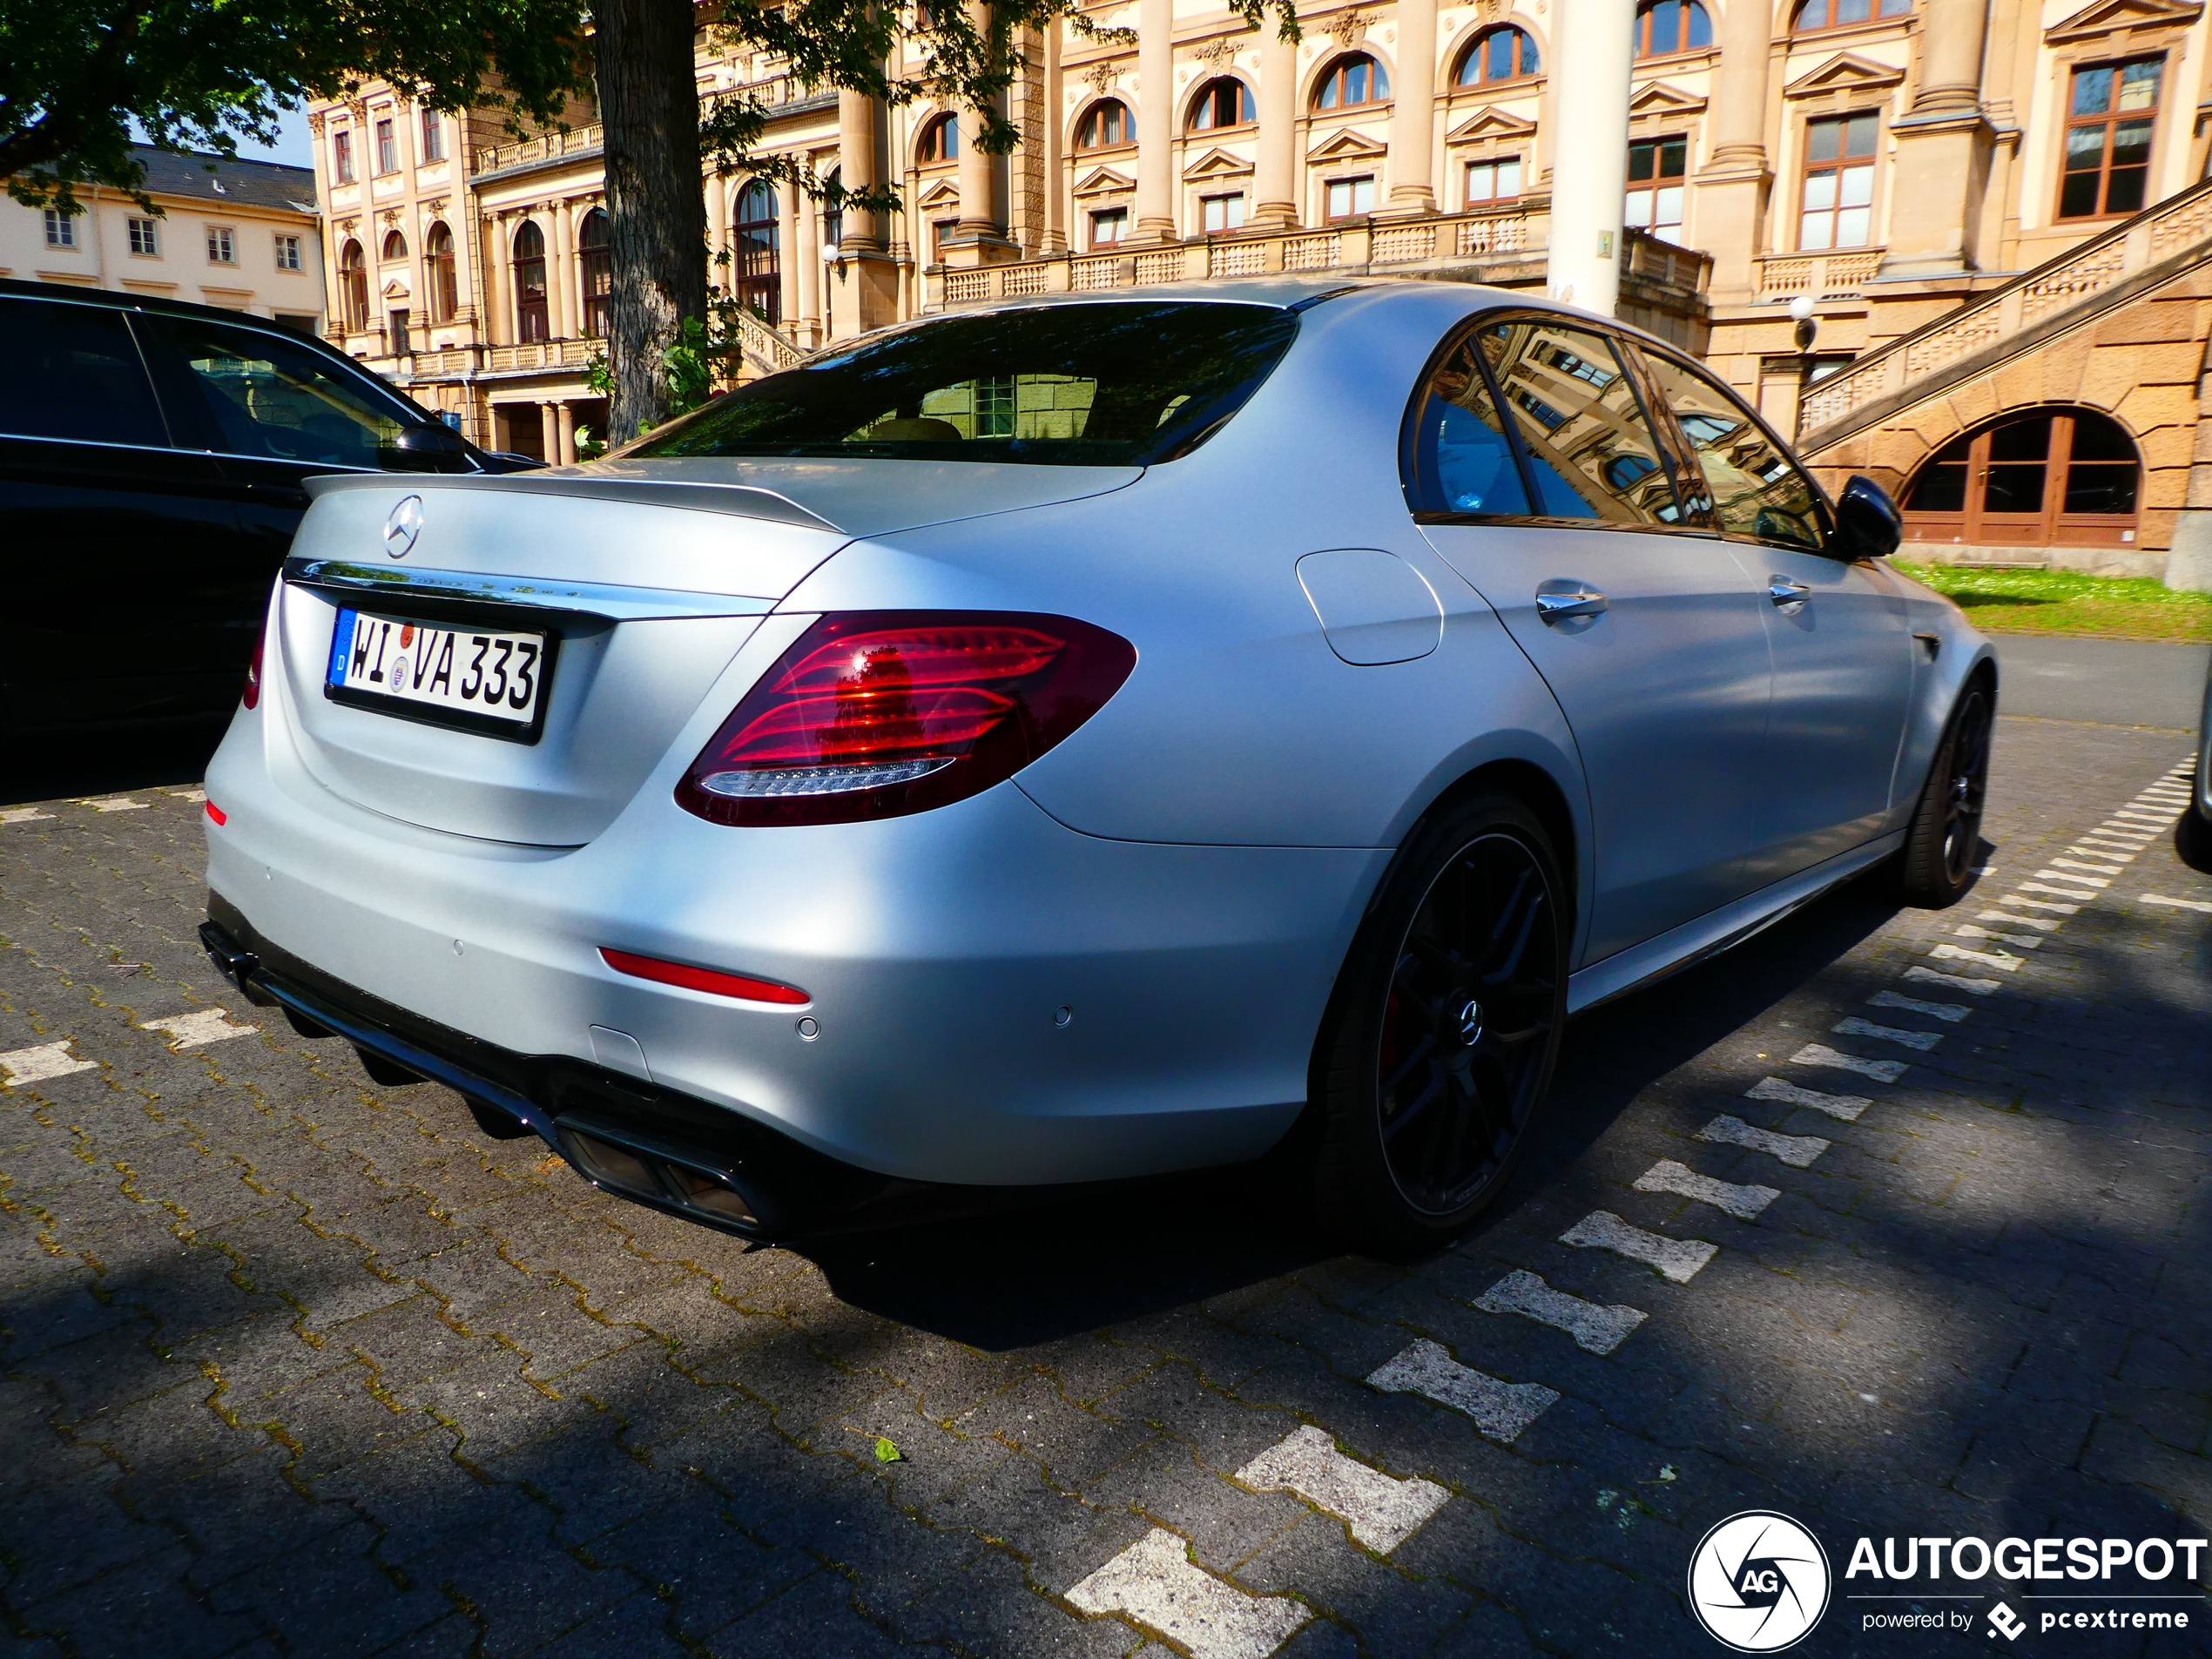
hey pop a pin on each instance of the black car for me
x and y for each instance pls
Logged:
(151, 459)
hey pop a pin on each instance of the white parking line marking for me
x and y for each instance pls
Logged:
(2109, 854)
(1675, 1258)
(2125, 815)
(22, 815)
(2019, 921)
(1154, 1582)
(201, 1027)
(1744, 1203)
(2026, 941)
(115, 804)
(1997, 960)
(2107, 868)
(1847, 1107)
(2018, 903)
(36, 1065)
(1950, 1013)
(2075, 893)
(2069, 875)
(196, 796)
(1501, 1410)
(1852, 1026)
(1597, 1327)
(2149, 898)
(1978, 987)
(1818, 1054)
(2131, 832)
(1797, 1150)
(1382, 1511)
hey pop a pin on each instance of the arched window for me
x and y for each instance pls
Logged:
(1501, 54)
(531, 320)
(939, 142)
(755, 244)
(1351, 81)
(445, 289)
(1105, 125)
(596, 262)
(1841, 14)
(353, 285)
(2040, 477)
(1664, 26)
(834, 210)
(395, 247)
(1224, 102)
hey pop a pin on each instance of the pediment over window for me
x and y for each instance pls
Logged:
(1660, 99)
(1216, 163)
(2109, 17)
(1104, 181)
(1844, 72)
(944, 193)
(397, 289)
(1345, 145)
(1489, 122)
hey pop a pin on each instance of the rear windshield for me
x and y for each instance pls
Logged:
(1064, 385)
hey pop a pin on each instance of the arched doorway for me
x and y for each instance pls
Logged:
(759, 276)
(2044, 477)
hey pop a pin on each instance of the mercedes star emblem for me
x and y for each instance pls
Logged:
(402, 527)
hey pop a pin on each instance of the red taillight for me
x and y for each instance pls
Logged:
(702, 979)
(251, 695)
(216, 815)
(872, 714)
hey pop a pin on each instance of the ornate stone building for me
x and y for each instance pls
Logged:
(1992, 209)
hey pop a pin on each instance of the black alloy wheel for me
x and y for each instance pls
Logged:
(1945, 842)
(1448, 1025)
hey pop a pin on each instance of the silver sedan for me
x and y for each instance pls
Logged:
(1079, 739)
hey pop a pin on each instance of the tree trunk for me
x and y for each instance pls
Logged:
(649, 106)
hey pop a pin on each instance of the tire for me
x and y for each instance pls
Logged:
(1937, 866)
(2193, 840)
(1439, 1044)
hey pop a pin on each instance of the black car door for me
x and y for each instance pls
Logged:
(109, 526)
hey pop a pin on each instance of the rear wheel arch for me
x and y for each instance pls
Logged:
(1537, 790)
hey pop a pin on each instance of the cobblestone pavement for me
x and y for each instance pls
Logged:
(1895, 1223)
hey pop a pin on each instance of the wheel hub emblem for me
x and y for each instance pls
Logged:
(402, 527)
(1471, 1023)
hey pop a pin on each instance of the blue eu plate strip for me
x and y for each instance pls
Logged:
(341, 641)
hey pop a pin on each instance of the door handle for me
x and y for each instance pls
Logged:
(1785, 592)
(1582, 602)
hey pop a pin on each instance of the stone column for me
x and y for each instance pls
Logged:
(978, 170)
(1275, 173)
(808, 258)
(499, 283)
(792, 211)
(1733, 186)
(1156, 121)
(2188, 563)
(1590, 165)
(1054, 238)
(856, 127)
(564, 432)
(1413, 111)
(864, 291)
(1943, 147)
(558, 321)
(548, 427)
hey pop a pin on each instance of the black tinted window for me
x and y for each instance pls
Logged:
(1463, 462)
(1084, 385)
(1591, 454)
(269, 396)
(1755, 490)
(73, 372)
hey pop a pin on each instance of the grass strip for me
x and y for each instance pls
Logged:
(2069, 602)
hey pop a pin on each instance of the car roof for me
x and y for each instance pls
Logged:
(72, 293)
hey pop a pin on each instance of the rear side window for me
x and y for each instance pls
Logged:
(1757, 493)
(269, 397)
(1591, 453)
(74, 371)
(1462, 459)
(1106, 385)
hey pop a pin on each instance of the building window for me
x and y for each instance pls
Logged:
(395, 247)
(939, 142)
(2110, 112)
(287, 254)
(221, 250)
(1506, 54)
(1667, 26)
(402, 341)
(353, 287)
(1351, 82)
(145, 237)
(1218, 214)
(1108, 226)
(1497, 179)
(1656, 169)
(1839, 183)
(756, 242)
(387, 147)
(2050, 477)
(1105, 125)
(1349, 198)
(1815, 15)
(1226, 102)
(434, 136)
(942, 231)
(834, 210)
(531, 321)
(61, 228)
(445, 292)
(596, 259)
(341, 157)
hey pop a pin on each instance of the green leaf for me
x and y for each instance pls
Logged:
(887, 1452)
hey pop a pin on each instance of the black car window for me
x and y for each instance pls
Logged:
(1462, 462)
(74, 371)
(1757, 493)
(1102, 385)
(268, 396)
(1591, 453)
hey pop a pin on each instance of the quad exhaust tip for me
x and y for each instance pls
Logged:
(635, 1166)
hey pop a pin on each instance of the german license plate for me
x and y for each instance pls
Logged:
(476, 679)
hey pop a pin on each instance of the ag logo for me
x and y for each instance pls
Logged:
(1758, 1582)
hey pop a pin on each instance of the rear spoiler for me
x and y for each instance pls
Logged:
(741, 501)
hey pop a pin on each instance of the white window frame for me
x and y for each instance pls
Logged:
(289, 256)
(61, 228)
(222, 245)
(1350, 186)
(144, 236)
(1228, 206)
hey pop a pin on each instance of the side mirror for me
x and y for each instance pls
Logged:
(1868, 525)
(432, 448)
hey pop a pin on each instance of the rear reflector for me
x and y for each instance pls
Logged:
(217, 815)
(704, 979)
